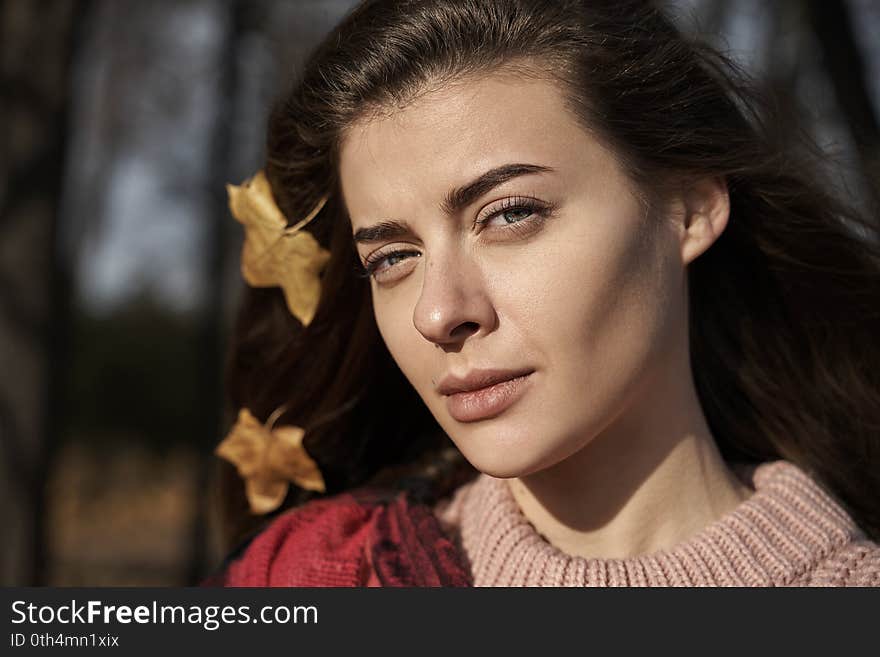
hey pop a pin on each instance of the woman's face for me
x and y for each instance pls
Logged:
(503, 236)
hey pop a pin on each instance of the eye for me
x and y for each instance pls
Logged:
(378, 263)
(520, 215)
(514, 211)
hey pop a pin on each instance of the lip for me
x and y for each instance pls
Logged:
(484, 394)
(476, 379)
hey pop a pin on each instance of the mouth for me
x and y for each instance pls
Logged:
(477, 379)
(488, 401)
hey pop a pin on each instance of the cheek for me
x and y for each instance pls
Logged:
(595, 301)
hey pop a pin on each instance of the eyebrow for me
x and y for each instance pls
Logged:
(455, 200)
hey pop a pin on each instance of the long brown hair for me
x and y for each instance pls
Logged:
(784, 314)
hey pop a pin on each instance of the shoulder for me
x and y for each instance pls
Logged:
(855, 564)
(317, 544)
(358, 538)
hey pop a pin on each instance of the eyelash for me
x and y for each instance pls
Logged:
(538, 211)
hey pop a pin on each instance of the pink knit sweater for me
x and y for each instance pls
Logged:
(790, 532)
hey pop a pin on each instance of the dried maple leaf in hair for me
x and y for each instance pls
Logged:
(275, 255)
(268, 459)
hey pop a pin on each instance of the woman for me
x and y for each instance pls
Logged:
(585, 260)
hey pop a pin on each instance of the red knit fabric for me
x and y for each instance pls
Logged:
(352, 539)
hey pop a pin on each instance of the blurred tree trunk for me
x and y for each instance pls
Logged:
(37, 43)
(782, 65)
(210, 405)
(712, 16)
(832, 24)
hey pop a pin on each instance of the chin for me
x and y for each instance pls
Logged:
(505, 447)
(505, 462)
(516, 454)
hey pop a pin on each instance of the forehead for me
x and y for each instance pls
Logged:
(452, 134)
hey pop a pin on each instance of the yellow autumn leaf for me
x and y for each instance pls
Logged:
(288, 457)
(265, 495)
(268, 460)
(274, 255)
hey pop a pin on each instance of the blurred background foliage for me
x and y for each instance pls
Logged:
(120, 123)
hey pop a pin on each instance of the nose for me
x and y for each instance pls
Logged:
(454, 302)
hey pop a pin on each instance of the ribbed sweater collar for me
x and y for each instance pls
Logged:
(783, 530)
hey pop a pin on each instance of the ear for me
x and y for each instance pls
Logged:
(706, 211)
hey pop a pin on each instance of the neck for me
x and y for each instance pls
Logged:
(651, 479)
